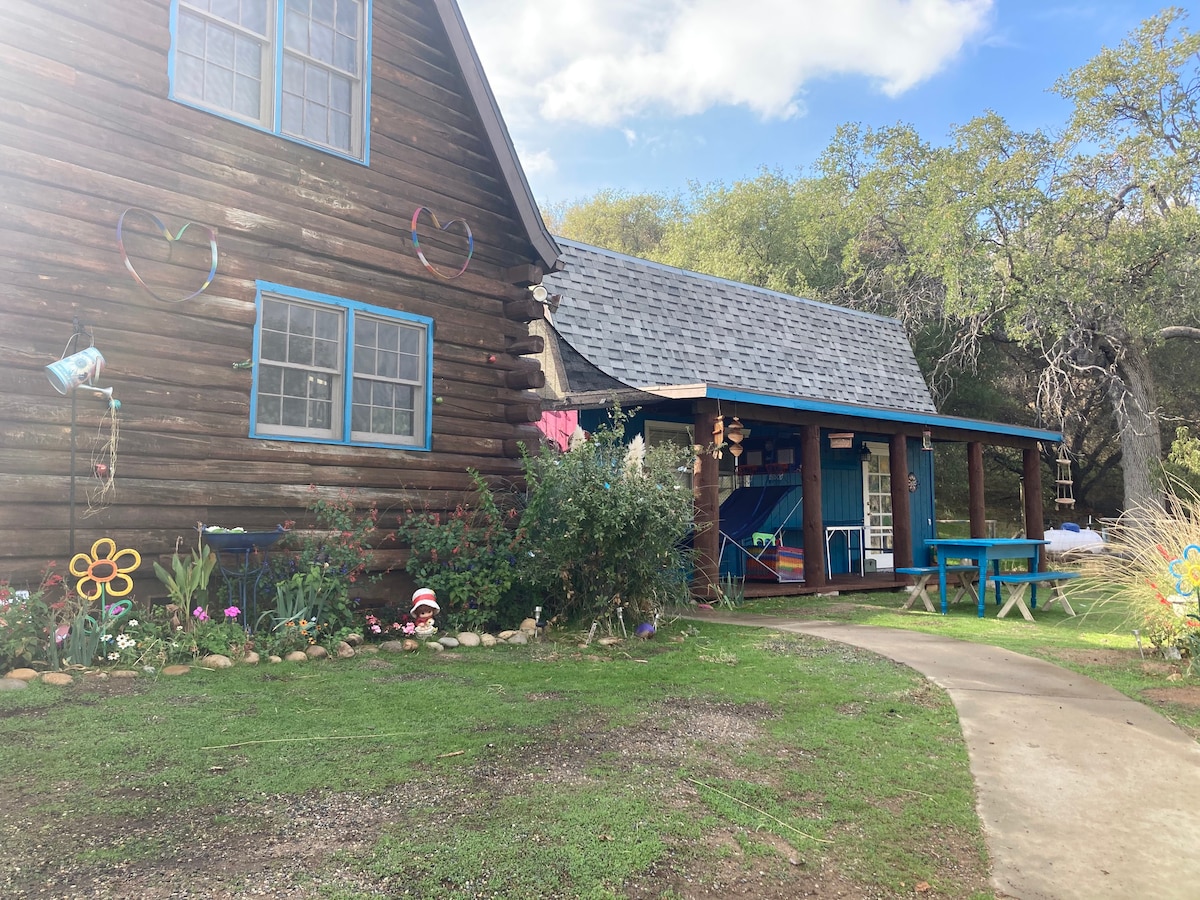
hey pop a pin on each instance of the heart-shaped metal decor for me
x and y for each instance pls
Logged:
(171, 240)
(417, 241)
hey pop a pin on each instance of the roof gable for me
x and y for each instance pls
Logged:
(655, 326)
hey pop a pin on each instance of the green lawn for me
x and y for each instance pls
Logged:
(708, 761)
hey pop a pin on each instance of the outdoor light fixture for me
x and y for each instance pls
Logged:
(926, 439)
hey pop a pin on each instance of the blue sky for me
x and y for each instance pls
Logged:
(649, 95)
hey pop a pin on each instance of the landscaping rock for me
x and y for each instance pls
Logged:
(448, 642)
(367, 650)
(487, 640)
(468, 639)
(12, 684)
(344, 650)
(217, 661)
(408, 645)
(22, 674)
(316, 651)
(354, 640)
(395, 646)
(434, 645)
(123, 673)
(58, 679)
(519, 637)
(251, 658)
(529, 626)
(609, 641)
(297, 656)
(505, 635)
(175, 670)
(274, 659)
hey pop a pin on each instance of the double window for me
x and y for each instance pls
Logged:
(337, 371)
(297, 68)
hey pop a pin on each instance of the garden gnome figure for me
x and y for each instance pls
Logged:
(424, 608)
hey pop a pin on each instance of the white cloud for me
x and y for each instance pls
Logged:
(537, 162)
(604, 62)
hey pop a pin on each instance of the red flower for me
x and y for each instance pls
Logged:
(1164, 554)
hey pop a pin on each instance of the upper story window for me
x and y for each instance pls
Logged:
(297, 68)
(336, 371)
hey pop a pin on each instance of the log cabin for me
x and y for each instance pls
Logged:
(826, 421)
(299, 237)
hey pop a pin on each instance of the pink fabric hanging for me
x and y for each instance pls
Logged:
(559, 425)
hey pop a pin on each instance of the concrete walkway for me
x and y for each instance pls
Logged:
(1083, 793)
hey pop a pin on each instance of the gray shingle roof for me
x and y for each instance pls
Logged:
(650, 325)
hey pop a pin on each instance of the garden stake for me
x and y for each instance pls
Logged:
(621, 619)
(1137, 636)
(591, 632)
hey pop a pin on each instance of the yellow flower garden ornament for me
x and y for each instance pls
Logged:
(101, 573)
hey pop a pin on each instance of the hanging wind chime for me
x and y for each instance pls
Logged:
(1063, 480)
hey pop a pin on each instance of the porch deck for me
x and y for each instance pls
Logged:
(843, 583)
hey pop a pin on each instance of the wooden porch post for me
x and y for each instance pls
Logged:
(902, 541)
(1035, 527)
(707, 499)
(975, 504)
(815, 575)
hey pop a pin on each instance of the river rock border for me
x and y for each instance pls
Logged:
(354, 645)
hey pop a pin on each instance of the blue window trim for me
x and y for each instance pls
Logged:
(351, 307)
(277, 47)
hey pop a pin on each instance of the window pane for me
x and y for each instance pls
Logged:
(300, 350)
(270, 379)
(410, 368)
(320, 415)
(295, 382)
(225, 9)
(347, 17)
(315, 123)
(270, 410)
(361, 391)
(329, 325)
(364, 361)
(360, 418)
(404, 423)
(299, 5)
(295, 32)
(405, 397)
(247, 95)
(301, 320)
(345, 54)
(316, 85)
(410, 340)
(293, 114)
(275, 315)
(191, 34)
(381, 394)
(320, 387)
(340, 95)
(381, 421)
(189, 76)
(365, 330)
(320, 43)
(254, 15)
(218, 47)
(218, 87)
(295, 412)
(274, 346)
(387, 365)
(325, 354)
(248, 59)
(322, 11)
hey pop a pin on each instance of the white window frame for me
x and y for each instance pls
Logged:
(274, 53)
(875, 532)
(343, 376)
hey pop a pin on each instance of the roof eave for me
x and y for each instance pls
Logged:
(497, 132)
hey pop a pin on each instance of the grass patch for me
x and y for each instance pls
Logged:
(724, 759)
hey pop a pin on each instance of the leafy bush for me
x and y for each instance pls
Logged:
(26, 617)
(468, 557)
(606, 525)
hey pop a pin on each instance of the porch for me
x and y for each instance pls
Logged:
(843, 584)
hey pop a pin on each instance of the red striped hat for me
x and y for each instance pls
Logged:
(425, 597)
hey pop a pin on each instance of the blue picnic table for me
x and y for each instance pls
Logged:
(982, 551)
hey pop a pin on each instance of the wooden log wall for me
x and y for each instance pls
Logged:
(87, 131)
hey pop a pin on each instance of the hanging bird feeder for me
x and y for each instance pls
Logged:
(1063, 480)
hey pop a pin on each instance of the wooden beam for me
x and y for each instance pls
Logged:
(815, 575)
(526, 310)
(524, 346)
(1035, 528)
(524, 412)
(706, 492)
(902, 539)
(976, 508)
(522, 276)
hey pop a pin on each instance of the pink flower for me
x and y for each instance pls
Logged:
(232, 612)
(200, 614)
(410, 628)
(376, 629)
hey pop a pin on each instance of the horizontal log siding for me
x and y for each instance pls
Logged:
(86, 131)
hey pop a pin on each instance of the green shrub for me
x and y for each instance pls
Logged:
(606, 525)
(467, 557)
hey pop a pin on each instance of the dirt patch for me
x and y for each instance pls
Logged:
(1185, 695)
(1098, 656)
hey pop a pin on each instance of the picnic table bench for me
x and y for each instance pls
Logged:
(925, 574)
(1018, 582)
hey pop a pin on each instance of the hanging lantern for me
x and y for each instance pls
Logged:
(926, 439)
(1063, 480)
